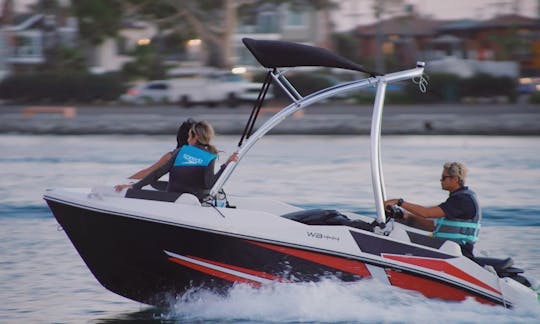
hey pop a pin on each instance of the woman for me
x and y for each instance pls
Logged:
(181, 140)
(191, 167)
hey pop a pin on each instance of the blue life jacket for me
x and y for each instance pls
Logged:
(461, 231)
(192, 171)
(190, 155)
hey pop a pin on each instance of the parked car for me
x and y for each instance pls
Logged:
(208, 88)
(150, 92)
(528, 85)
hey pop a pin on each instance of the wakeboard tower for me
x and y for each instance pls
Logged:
(148, 245)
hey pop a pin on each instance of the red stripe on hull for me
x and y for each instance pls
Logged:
(430, 288)
(259, 274)
(350, 266)
(443, 266)
(216, 273)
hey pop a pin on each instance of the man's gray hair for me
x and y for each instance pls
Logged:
(457, 169)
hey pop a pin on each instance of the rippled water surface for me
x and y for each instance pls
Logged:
(42, 278)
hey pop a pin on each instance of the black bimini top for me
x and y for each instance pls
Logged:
(276, 54)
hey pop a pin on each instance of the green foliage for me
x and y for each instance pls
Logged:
(209, 20)
(98, 19)
(483, 85)
(448, 88)
(298, 4)
(346, 44)
(451, 88)
(535, 98)
(441, 87)
(510, 43)
(147, 65)
(65, 60)
(61, 87)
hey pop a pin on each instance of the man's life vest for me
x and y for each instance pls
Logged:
(461, 231)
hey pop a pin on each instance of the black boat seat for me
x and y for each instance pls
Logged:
(326, 217)
(152, 195)
(497, 264)
(160, 185)
(512, 271)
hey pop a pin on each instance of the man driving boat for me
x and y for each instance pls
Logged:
(457, 219)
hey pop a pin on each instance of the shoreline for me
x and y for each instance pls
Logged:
(324, 119)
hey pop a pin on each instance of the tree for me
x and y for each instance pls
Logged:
(380, 9)
(345, 44)
(98, 19)
(58, 56)
(509, 43)
(147, 64)
(214, 22)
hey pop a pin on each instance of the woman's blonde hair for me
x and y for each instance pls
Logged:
(204, 132)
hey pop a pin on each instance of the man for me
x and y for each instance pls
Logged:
(456, 219)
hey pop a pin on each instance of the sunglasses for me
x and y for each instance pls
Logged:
(444, 177)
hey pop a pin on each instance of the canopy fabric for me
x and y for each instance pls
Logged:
(276, 54)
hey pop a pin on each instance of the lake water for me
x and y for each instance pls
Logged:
(43, 280)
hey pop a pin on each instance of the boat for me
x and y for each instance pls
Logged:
(150, 245)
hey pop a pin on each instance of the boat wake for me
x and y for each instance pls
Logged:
(332, 300)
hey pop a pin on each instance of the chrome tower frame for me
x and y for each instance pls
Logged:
(301, 102)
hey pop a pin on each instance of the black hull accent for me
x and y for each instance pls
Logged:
(127, 255)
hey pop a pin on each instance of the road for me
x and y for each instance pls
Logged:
(327, 118)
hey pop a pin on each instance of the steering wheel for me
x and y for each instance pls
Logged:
(393, 211)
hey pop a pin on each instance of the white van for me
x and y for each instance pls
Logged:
(207, 88)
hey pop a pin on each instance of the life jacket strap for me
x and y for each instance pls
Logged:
(445, 222)
(459, 237)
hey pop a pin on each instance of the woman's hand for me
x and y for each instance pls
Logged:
(233, 158)
(122, 187)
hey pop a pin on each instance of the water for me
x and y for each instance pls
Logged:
(42, 278)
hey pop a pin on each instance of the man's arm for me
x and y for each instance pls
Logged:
(420, 214)
(424, 212)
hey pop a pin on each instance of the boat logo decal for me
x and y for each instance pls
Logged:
(322, 236)
(224, 271)
(191, 160)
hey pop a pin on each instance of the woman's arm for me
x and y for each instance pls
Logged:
(151, 177)
(144, 172)
(210, 178)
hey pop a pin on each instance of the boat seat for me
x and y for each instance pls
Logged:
(152, 195)
(160, 185)
(326, 217)
(497, 264)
